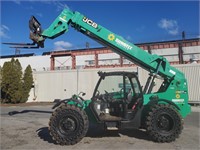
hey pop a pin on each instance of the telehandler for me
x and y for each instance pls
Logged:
(118, 101)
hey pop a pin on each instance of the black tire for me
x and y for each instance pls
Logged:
(68, 125)
(164, 123)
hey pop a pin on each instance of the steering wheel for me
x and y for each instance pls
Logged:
(121, 90)
(106, 92)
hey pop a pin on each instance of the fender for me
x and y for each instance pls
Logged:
(65, 101)
(169, 102)
(155, 100)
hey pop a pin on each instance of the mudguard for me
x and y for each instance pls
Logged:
(65, 101)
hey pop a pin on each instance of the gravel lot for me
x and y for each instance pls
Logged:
(27, 128)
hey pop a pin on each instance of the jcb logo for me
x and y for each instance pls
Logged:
(90, 22)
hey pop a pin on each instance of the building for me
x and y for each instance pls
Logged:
(176, 52)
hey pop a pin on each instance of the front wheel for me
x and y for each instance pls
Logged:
(68, 125)
(163, 123)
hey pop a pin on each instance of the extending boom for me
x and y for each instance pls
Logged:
(151, 63)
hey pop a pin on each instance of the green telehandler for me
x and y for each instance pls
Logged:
(118, 101)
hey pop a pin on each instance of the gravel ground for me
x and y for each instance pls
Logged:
(27, 128)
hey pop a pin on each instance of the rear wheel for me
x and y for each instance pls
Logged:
(68, 125)
(163, 123)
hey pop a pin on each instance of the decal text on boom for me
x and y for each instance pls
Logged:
(90, 22)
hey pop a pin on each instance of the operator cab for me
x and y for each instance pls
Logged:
(117, 96)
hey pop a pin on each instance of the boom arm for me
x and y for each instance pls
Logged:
(152, 63)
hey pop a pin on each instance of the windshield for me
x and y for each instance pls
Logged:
(119, 85)
(111, 84)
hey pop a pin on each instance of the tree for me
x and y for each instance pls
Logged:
(5, 82)
(27, 83)
(17, 81)
(11, 82)
(15, 87)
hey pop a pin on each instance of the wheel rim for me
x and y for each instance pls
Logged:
(165, 123)
(68, 125)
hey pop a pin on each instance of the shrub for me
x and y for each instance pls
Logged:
(27, 83)
(15, 86)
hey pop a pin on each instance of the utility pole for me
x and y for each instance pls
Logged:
(183, 35)
(149, 49)
(87, 45)
(180, 48)
(17, 51)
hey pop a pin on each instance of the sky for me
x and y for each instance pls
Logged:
(136, 21)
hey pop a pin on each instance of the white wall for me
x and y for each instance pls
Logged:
(191, 53)
(81, 60)
(51, 85)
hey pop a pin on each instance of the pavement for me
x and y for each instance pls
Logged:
(25, 127)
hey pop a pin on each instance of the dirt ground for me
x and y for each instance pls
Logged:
(25, 127)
